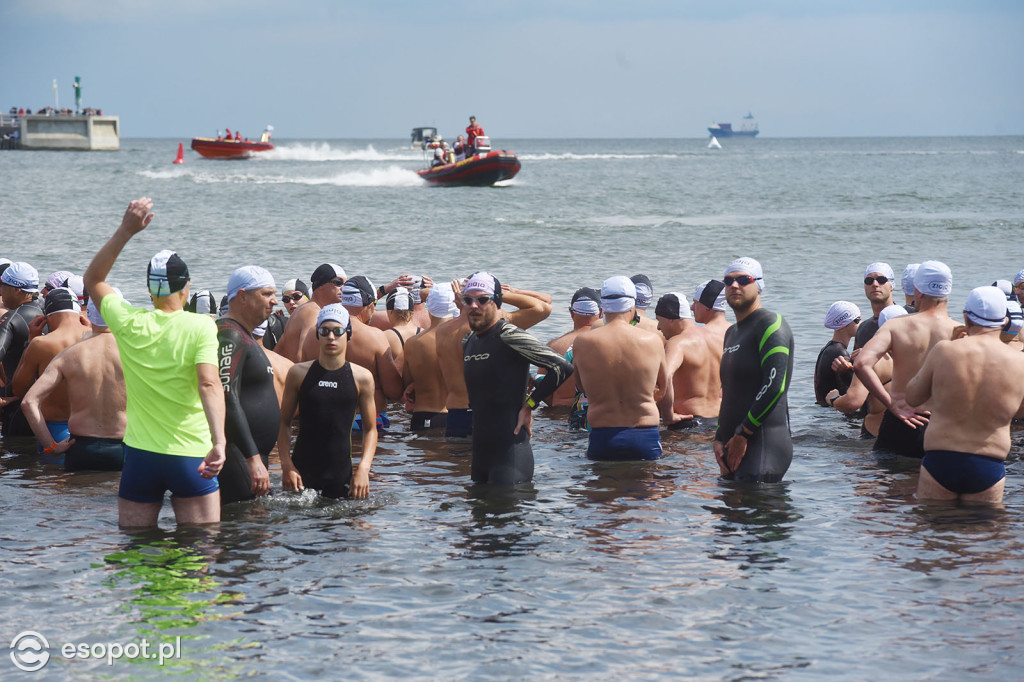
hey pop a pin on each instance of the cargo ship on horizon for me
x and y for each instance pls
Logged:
(747, 129)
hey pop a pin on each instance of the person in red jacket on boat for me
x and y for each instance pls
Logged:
(473, 131)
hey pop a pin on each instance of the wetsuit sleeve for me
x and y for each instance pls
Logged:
(537, 353)
(231, 362)
(6, 334)
(775, 347)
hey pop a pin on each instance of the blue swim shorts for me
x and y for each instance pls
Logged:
(626, 442)
(148, 475)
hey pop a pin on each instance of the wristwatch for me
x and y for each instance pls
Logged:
(833, 399)
(741, 432)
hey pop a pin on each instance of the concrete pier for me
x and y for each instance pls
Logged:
(69, 133)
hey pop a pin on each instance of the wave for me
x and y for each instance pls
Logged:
(391, 176)
(323, 151)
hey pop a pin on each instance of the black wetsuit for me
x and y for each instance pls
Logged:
(275, 330)
(865, 331)
(253, 414)
(13, 341)
(757, 366)
(496, 364)
(328, 401)
(825, 379)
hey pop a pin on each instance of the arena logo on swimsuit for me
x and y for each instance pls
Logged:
(226, 352)
(478, 356)
(327, 384)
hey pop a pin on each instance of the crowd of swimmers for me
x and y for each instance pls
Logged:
(194, 395)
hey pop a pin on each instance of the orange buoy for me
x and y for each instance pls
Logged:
(181, 154)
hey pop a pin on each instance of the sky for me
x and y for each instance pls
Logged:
(325, 69)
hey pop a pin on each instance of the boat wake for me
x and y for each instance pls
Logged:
(323, 151)
(390, 176)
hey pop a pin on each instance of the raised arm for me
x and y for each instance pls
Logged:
(534, 307)
(135, 220)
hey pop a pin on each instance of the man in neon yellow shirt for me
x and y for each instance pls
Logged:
(174, 439)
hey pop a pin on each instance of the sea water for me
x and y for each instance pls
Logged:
(651, 570)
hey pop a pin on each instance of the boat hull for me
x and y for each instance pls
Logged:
(228, 149)
(480, 170)
(722, 132)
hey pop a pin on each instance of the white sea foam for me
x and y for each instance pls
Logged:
(323, 151)
(390, 176)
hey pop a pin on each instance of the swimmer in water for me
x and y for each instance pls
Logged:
(294, 294)
(694, 395)
(585, 311)
(369, 346)
(90, 373)
(842, 318)
(327, 392)
(174, 438)
(753, 441)
(623, 373)
(398, 305)
(19, 292)
(67, 327)
(644, 299)
(326, 284)
(422, 375)
(907, 339)
(853, 400)
(496, 362)
(253, 412)
(973, 386)
(532, 307)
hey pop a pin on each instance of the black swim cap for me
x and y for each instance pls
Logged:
(709, 295)
(60, 300)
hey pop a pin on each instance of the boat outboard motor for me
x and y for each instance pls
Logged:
(482, 144)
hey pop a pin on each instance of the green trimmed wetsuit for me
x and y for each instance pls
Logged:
(757, 366)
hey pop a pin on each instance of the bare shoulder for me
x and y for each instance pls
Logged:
(362, 376)
(299, 370)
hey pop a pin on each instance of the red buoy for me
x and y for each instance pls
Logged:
(181, 154)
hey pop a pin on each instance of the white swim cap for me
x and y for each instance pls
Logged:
(1005, 286)
(249, 277)
(882, 269)
(840, 314)
(749, 266)
(57, 279)
(440, 301)
(1018, 278)
(334, 312)
(934, 279)
(1016, 315)
(907, 281)
(481, 281)
(399, 299)
(673, 306)
(705, 295)
(889, 312)
(22, 276)
(986, 307)
(644, 291)
(618, 294)
(93, 313)
(261, 330)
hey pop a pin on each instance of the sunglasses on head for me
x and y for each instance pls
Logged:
(881, 279)
(742, 280)
(324, 332)
(479, 300)
(294, 297)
